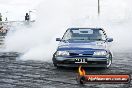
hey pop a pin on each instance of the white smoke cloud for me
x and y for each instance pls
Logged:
(55, 16)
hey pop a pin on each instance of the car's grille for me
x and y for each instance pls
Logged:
(87, 54)
(75, 54)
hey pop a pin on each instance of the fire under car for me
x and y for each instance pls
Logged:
(88, 47)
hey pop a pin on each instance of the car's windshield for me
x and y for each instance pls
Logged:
(85, 35)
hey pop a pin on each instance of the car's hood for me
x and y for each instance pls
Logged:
(82, 45)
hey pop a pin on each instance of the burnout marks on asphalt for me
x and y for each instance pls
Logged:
(15, 73)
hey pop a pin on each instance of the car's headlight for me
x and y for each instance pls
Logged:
(62, 53)
(100, 53)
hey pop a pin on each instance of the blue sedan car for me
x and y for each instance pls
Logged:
(83, 46)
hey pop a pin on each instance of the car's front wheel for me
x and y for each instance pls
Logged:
(109, 61)
(55, 65)
(54, 62)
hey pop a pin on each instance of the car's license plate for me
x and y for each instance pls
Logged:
(79, 60)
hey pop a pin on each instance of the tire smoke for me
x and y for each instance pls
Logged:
(37, 42)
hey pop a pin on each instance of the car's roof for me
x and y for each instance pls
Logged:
(85, 28)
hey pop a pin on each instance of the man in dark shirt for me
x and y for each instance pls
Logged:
(27, 18)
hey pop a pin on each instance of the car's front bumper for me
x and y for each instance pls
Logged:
(86, 62)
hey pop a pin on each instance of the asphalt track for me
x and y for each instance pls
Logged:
(15, 73)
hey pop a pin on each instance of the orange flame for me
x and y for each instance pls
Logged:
(81, 71)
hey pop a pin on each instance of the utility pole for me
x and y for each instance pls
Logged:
(98, 7)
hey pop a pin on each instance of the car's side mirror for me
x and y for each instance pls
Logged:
(109, 39)
(58, 39)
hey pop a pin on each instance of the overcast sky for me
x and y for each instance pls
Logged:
(20, 2)
(16, 9)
